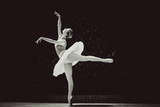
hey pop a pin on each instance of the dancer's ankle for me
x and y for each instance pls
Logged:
(70, 96)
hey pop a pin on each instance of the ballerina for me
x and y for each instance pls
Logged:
(69, 57)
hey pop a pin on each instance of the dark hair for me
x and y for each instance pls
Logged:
(69, 33)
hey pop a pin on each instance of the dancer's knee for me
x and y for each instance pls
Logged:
(70, 79)
(86, 58)
(89, 58)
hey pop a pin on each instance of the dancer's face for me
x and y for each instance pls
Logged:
(65, 32)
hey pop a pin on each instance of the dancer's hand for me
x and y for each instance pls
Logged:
(57, 14)
(39, 40)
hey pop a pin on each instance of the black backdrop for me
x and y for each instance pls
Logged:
(123, 30)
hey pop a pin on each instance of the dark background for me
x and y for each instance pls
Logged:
(125, 30)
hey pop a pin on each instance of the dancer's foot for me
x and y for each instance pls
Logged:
(107, 60)
(70, 100)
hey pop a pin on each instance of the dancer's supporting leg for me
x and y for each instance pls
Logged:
(76, 57)
(68, 73)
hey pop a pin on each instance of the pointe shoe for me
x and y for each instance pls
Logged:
(70, 100)
(108, 60)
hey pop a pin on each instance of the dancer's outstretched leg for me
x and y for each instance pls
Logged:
(76, 57)
(68, 73)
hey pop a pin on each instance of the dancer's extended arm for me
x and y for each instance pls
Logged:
(48, 40)
(59, 24)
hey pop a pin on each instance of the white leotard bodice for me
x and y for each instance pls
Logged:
(61, 43)
(61, 46)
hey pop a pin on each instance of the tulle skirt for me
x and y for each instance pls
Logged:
(77, 48)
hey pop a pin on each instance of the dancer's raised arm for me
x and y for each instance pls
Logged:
(59, 24)
(48, 40)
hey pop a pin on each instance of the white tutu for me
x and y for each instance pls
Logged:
(77, 48)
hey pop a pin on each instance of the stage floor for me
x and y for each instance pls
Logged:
(25, 104)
